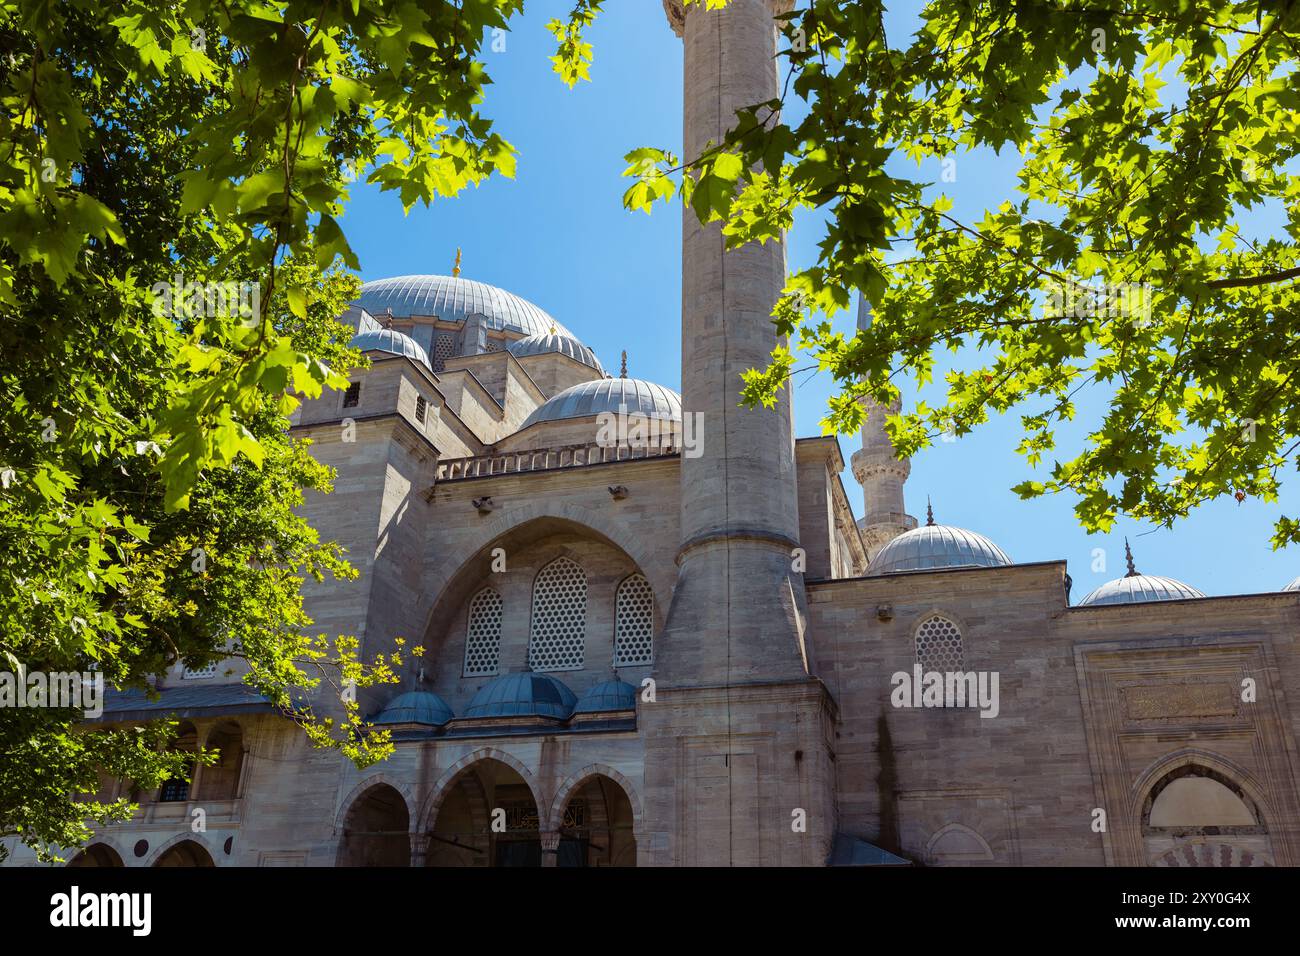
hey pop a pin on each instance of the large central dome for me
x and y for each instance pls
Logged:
(453, 299)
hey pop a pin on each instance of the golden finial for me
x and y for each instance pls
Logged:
(623, 372)
(455, 270)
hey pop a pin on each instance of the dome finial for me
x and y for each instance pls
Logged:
(929, 513)
(623, 371)
(1128, 556)
(455, 269)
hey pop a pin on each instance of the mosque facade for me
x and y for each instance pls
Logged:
(654, 633)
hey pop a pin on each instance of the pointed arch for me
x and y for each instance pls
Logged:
(428, 811)
(376, 829)
(473, 559)
(198, 841)
(97, 854)
(957, 843)
(1160, 772)
(576, 780)
(341, 812)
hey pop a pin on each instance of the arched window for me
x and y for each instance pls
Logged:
(1193, 797)
(634, 622)
(483, 634)
(557, 637)
(938, 645)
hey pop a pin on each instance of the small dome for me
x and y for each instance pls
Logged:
(453, 299)
(523, 695)
(630, 395)
(393, 342)
(1139, 588)
(544, 343)
(415, 707)
(611, 695)
(937, 546)
(1293, 586)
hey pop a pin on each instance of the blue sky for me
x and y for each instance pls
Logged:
(557, 235)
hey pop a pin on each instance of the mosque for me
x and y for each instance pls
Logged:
(687, 651)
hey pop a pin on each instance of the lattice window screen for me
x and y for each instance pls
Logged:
(444, 347)
(634, 623)
(483, 634)
(556, 638)
(199, 673)
(938, 645)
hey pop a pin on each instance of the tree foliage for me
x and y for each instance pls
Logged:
(147, 482)
(1149, 134)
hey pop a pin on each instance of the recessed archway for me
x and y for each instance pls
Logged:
(376, 830)
(97, 854)
(185, 853)
(1199, 815)
(463, 570)
(597, 825)
(486, 816)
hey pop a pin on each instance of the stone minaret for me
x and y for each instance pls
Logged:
(879, 471)
(734, 615)
(738, 736)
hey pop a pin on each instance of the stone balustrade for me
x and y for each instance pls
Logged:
(549, 459)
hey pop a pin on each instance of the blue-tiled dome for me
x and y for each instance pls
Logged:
(392, 341)
(453, 299)
(937, 546)
(611, 695)
(1139, 588)
(630, 395)
(523, 695)
(415, 707)
(547, 342)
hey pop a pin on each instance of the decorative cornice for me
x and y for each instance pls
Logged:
(876, 462)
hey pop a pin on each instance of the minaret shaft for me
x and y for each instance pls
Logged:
(739, 513)
(880, 472)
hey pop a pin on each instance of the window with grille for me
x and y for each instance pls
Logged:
(199, 673)
(352, 396)
(634, 622)
(420, 406)
(557, 635)
(938, 645)
(444, 347)
(483, 634)
(175, 790)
